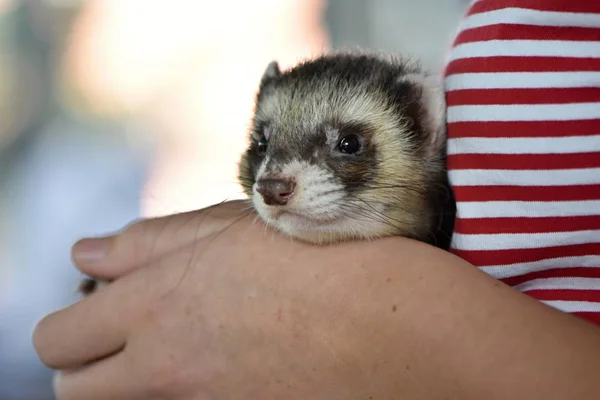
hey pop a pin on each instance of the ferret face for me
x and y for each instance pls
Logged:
(343, 147)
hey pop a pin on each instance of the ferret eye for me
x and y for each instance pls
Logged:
(261, 147)
(350, 144)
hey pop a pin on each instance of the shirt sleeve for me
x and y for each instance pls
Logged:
(523, 93)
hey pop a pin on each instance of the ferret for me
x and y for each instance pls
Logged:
(348, 146)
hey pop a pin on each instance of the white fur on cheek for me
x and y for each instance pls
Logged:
(316, 190)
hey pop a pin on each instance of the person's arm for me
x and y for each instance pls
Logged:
(257, 315)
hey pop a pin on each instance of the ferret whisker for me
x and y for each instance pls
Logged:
(367, 217)
(256, 219)
(378, 212)
(372, 215)
(385, 204)
(328, 192)
(195, 256)
(413, 188)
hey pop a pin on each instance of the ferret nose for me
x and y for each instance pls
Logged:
(275, 192)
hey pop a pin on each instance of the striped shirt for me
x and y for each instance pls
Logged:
(523, 91)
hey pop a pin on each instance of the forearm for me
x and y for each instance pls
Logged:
(428, 325)
(248, 313)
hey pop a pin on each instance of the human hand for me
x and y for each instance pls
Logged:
(245, 313)
(262, 326)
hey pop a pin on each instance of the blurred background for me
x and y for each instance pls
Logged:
(111, 110)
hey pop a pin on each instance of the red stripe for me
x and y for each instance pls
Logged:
(521, 64)
(577, 272)
(527, 225)
(593, 317)
(523, 128)
(522, 96)
(512, 256)
(524, 161)
(526, 193)
(580, 6)
(526, 32)
(565, 295)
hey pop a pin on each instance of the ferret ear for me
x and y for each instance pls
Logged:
(271, 73)
(429, 92)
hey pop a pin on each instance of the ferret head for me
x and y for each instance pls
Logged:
(346, 146)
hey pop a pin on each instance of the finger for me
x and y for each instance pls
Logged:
(110, 378)
(99, 325)
(148, 240)
(88, 330)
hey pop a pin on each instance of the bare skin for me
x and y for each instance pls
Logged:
(257, 316)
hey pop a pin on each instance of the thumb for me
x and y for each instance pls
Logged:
(147, 240)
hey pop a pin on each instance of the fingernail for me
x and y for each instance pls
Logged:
(90, 249)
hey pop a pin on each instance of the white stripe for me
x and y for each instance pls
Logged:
(521, 80)
(510, 270)
(509, 241)
(527, 48)
(524, 112)
(562, 283)
(531, 17)
(510, 209)
(573, 306)
(541, 145)
(480, 177)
